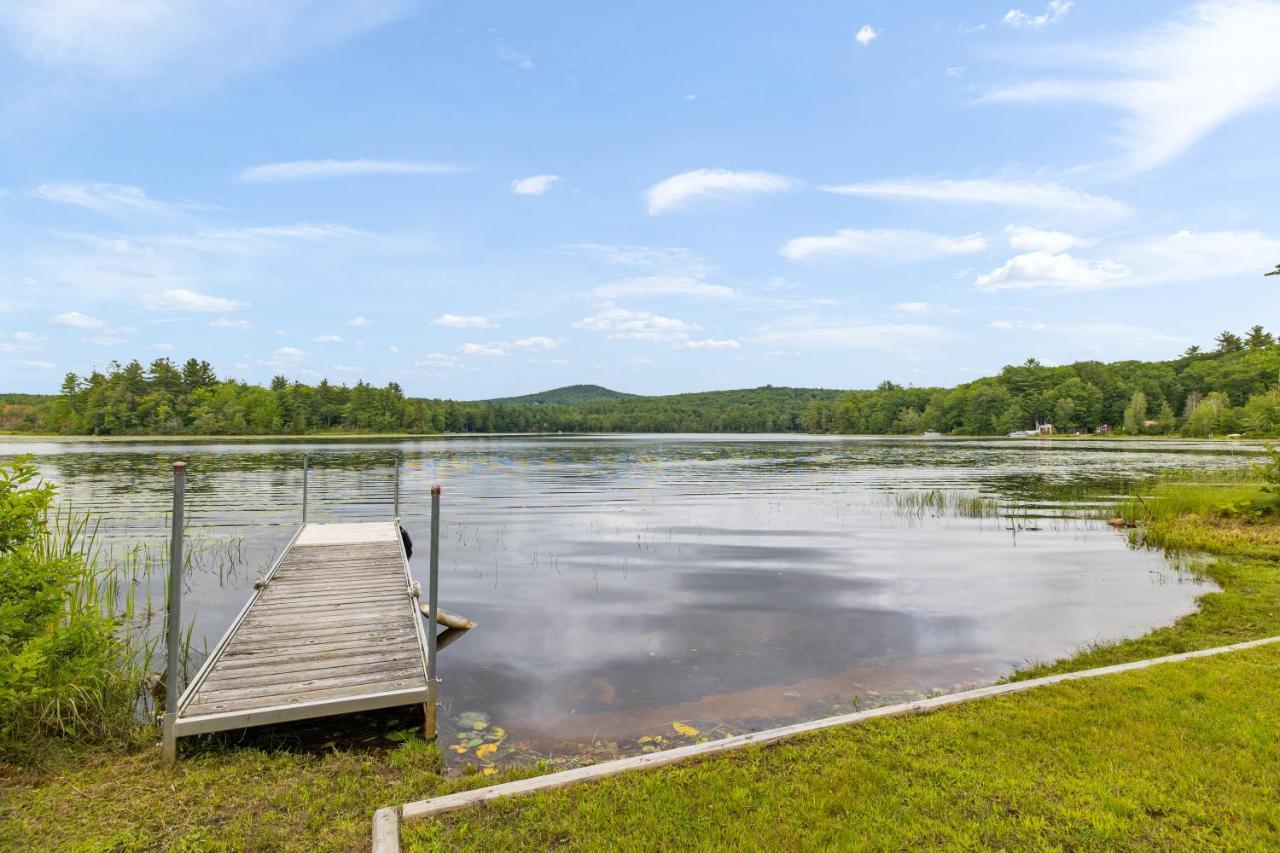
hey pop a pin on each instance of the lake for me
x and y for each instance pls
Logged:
(623, 584)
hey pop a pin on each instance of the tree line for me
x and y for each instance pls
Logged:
(1229, 388)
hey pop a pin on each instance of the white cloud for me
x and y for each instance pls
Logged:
(882, 242)
(286, 357)
(825, 335)
(624, 324)
(1030, 239)
(348, 368)
(238, 325)
(912, 307)
(1044, 269)
(1183, 256)
(536, 342)
(360, 322)
(393, 349)
(1089, 331)
(866, 35)
(106, 340)
(115, 40)
(492, 350)
(328, 339)
(102, 197)
(19, 341)
(534, 184)
(181, 299)
(711, 343)
(436, 360)
(1175, 83)
(518, 58)
(1055, 11)
(1125, 331)
(32, 364)
(662, 285)
(671, 259)
(313, 170)
(78, 321)
(1197, 255)
(1016, 325)
(245, 240)
(456, 321)
(1047, 196)
(678, 191)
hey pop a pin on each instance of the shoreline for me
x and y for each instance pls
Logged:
(170, 438)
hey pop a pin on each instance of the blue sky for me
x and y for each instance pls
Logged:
(489, 198)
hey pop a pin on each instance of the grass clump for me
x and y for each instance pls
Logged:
(938, 502)
(64, 670)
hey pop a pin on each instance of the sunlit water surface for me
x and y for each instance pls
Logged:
(623, 584)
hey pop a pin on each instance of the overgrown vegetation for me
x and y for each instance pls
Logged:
(65, 671)
(1231, 389)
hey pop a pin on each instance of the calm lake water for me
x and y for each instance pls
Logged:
(622, 584)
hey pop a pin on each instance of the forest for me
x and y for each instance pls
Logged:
(1230, 388)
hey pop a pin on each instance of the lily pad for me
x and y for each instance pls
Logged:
(468, 719)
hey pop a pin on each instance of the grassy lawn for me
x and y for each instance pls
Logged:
(1184, 755)
(234, 799)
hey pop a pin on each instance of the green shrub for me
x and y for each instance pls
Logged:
(64, 672)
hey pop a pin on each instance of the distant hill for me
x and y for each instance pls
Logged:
(569, 395)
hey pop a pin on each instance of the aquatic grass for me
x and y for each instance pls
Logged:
(78, 633)
(64, 670)
(938, 503)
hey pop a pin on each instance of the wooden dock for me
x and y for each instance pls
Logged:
(333, 628)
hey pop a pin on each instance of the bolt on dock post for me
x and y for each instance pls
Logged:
(169, 747)
(433, 594)
(306, 462)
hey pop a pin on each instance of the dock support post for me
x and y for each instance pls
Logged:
(169, 746)
(306, 470)
(433, 597)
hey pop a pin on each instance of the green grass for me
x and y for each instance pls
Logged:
(1180, 756)
(234, 799)
(1184, 755)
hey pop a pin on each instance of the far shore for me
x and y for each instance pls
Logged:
(58, 438)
